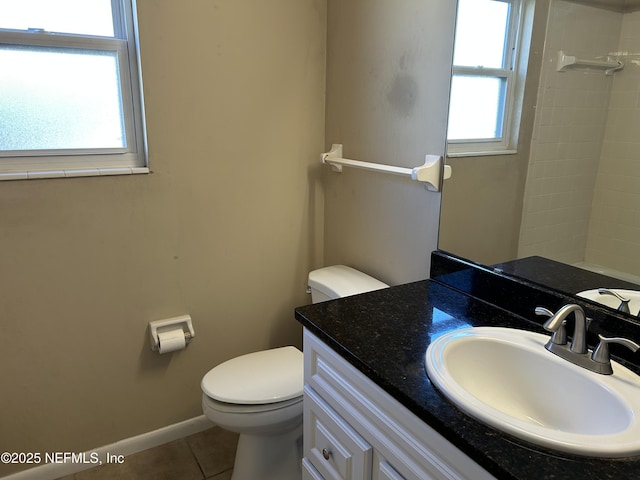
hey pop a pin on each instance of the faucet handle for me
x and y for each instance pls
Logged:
(559, 336)
(544, 312)
(601, 352)
(624, 302)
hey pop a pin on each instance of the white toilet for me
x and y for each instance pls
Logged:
(259, 395)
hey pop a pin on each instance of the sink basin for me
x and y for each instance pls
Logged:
(613, 302)
(507, 379)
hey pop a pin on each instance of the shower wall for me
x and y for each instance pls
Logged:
(614, 229)
(582, 201)
(568, 134)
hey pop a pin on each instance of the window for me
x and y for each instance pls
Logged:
(71, 101)
(486, 91)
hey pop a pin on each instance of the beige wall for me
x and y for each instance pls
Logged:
(225, 229)
(482, 207)
(388, 75)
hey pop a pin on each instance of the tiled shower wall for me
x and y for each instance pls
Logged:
(614, 229)
(568, 133)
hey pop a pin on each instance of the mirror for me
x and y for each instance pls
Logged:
(571, 193)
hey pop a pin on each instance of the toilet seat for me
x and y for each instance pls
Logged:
(259, 378)
(249, 408)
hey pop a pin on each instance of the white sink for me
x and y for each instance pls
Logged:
(613, 302)
(507, 379)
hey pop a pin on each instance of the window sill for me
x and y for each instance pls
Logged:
(482, 153)
(92, 172)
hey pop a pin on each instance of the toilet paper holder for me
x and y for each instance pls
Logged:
(159, 326)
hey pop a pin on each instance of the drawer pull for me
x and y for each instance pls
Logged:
(326, 453)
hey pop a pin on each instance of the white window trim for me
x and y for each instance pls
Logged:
(24, 165)
(517, 59)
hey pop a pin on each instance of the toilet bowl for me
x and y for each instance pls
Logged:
(259, 395)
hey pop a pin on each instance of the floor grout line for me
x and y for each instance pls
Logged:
(210, 453)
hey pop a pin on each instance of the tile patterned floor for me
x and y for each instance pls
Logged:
(206, 455)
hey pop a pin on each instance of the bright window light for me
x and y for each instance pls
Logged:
(59, 99)
(476, 107)
(84, 17)
(481, 33)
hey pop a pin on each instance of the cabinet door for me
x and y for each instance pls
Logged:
(335, 449)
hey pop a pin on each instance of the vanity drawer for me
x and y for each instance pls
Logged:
(383, 471)
(309, 472)
(333, 447)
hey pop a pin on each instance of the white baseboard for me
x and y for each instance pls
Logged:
(128, 446)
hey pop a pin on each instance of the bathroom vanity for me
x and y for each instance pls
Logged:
(371, 411)
(355, 430)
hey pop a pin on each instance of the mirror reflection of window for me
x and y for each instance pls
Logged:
(484, 89)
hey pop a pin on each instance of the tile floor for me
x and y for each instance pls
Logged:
(205, 455)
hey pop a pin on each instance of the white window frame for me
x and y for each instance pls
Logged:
(28, 164)
(514, 72)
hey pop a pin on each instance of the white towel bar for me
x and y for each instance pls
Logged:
(565, 61)
(430, 173)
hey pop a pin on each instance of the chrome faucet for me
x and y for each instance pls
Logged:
(558, 321)
(577, 353)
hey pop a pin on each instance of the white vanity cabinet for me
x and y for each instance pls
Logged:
(354, 430)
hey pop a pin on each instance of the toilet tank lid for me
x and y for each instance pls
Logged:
(267, 376)
(339, 281)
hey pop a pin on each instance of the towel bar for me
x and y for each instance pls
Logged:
(430, 173)
(610, 65)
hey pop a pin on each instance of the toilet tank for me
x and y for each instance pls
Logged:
(340, 281)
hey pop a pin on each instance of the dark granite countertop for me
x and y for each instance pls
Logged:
(385, 335)
(560, 276)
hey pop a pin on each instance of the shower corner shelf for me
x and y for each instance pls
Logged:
(566, 61)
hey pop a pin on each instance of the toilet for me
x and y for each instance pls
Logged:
(259, 395)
